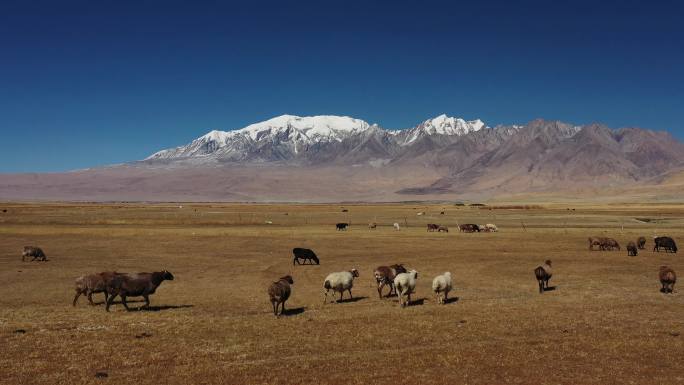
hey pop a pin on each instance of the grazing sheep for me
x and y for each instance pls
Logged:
(611, 244)
(432, 227)
(543, 274)
(304, 255)
(341, 226)
(279, 291)
(135, 285)
(93, 283)
(372, 225)
(668, 278)
(396, 226)
(491, 227)
(384, 275)
(641, 243)
(666, 243)
(631, 249)
(340, 282)
(33, 252)
(405, 284)
(421, 213)
(442, 284)
(442, 228)
(596, 241)
(469, 228)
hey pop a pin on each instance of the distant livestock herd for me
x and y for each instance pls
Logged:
(401, 282)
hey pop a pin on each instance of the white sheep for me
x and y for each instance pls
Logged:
(442, 284)
(405, 284)
(491, 227)
(340, 282)
(396, 226)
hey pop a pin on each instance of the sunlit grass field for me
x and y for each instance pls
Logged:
(605, 322)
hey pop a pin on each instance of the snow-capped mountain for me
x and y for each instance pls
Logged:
(443, 125)
(338, 158)
(289, 137)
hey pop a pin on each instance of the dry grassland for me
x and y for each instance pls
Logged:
(605, 322)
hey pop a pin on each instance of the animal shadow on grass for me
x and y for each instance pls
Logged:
(451, 300)
(162, 307)
(550, 288)
(355, 299)
(417, 302)
(663, 290)
(293, 311)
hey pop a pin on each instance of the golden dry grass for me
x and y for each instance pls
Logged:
(606, 322)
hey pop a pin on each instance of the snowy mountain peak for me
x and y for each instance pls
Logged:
(444, 125)
(284, 137)
(331, 126)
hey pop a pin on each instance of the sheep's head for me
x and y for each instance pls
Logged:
(548, 262)
(414, 273)
(447, 274)
(166, 275)
(354, 272)
(287, 278)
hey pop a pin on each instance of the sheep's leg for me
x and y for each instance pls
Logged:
(341, 295)
(78, 294)
(106, 295)
(273, 304)
(147, 301)
(325, 299)
(109, 301)
(409, 298)
(380, 286)
(90, 298)
(350, 294)
(123, 301)
(282, 310)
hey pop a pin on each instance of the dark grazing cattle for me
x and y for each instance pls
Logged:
(278, 292)
(36, 253)
(469, 228)
(304, 255)
(641, 243)
(631, 249)
(93, 283)
(543, 274)
(432, 227)
(442, 228)
(666, 243)
(384, 275)
(667, 278)
(135, 285)
(341, 226)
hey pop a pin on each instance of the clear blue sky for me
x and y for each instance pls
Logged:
(100, 82)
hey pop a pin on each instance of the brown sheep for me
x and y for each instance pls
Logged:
(384, 275)
(432, 227)
(668, 278)
(611, 244)
(631, 249)
(543, 274)
(596, 241)
(36, 253)
(93, 283)
(134, 285)
(279, 291)
(641, 243)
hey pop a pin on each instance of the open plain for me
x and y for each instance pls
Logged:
(605, 321)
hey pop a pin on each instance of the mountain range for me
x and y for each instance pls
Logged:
(338, 158)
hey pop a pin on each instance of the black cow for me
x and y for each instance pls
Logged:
(666, 243)
(305, 255)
